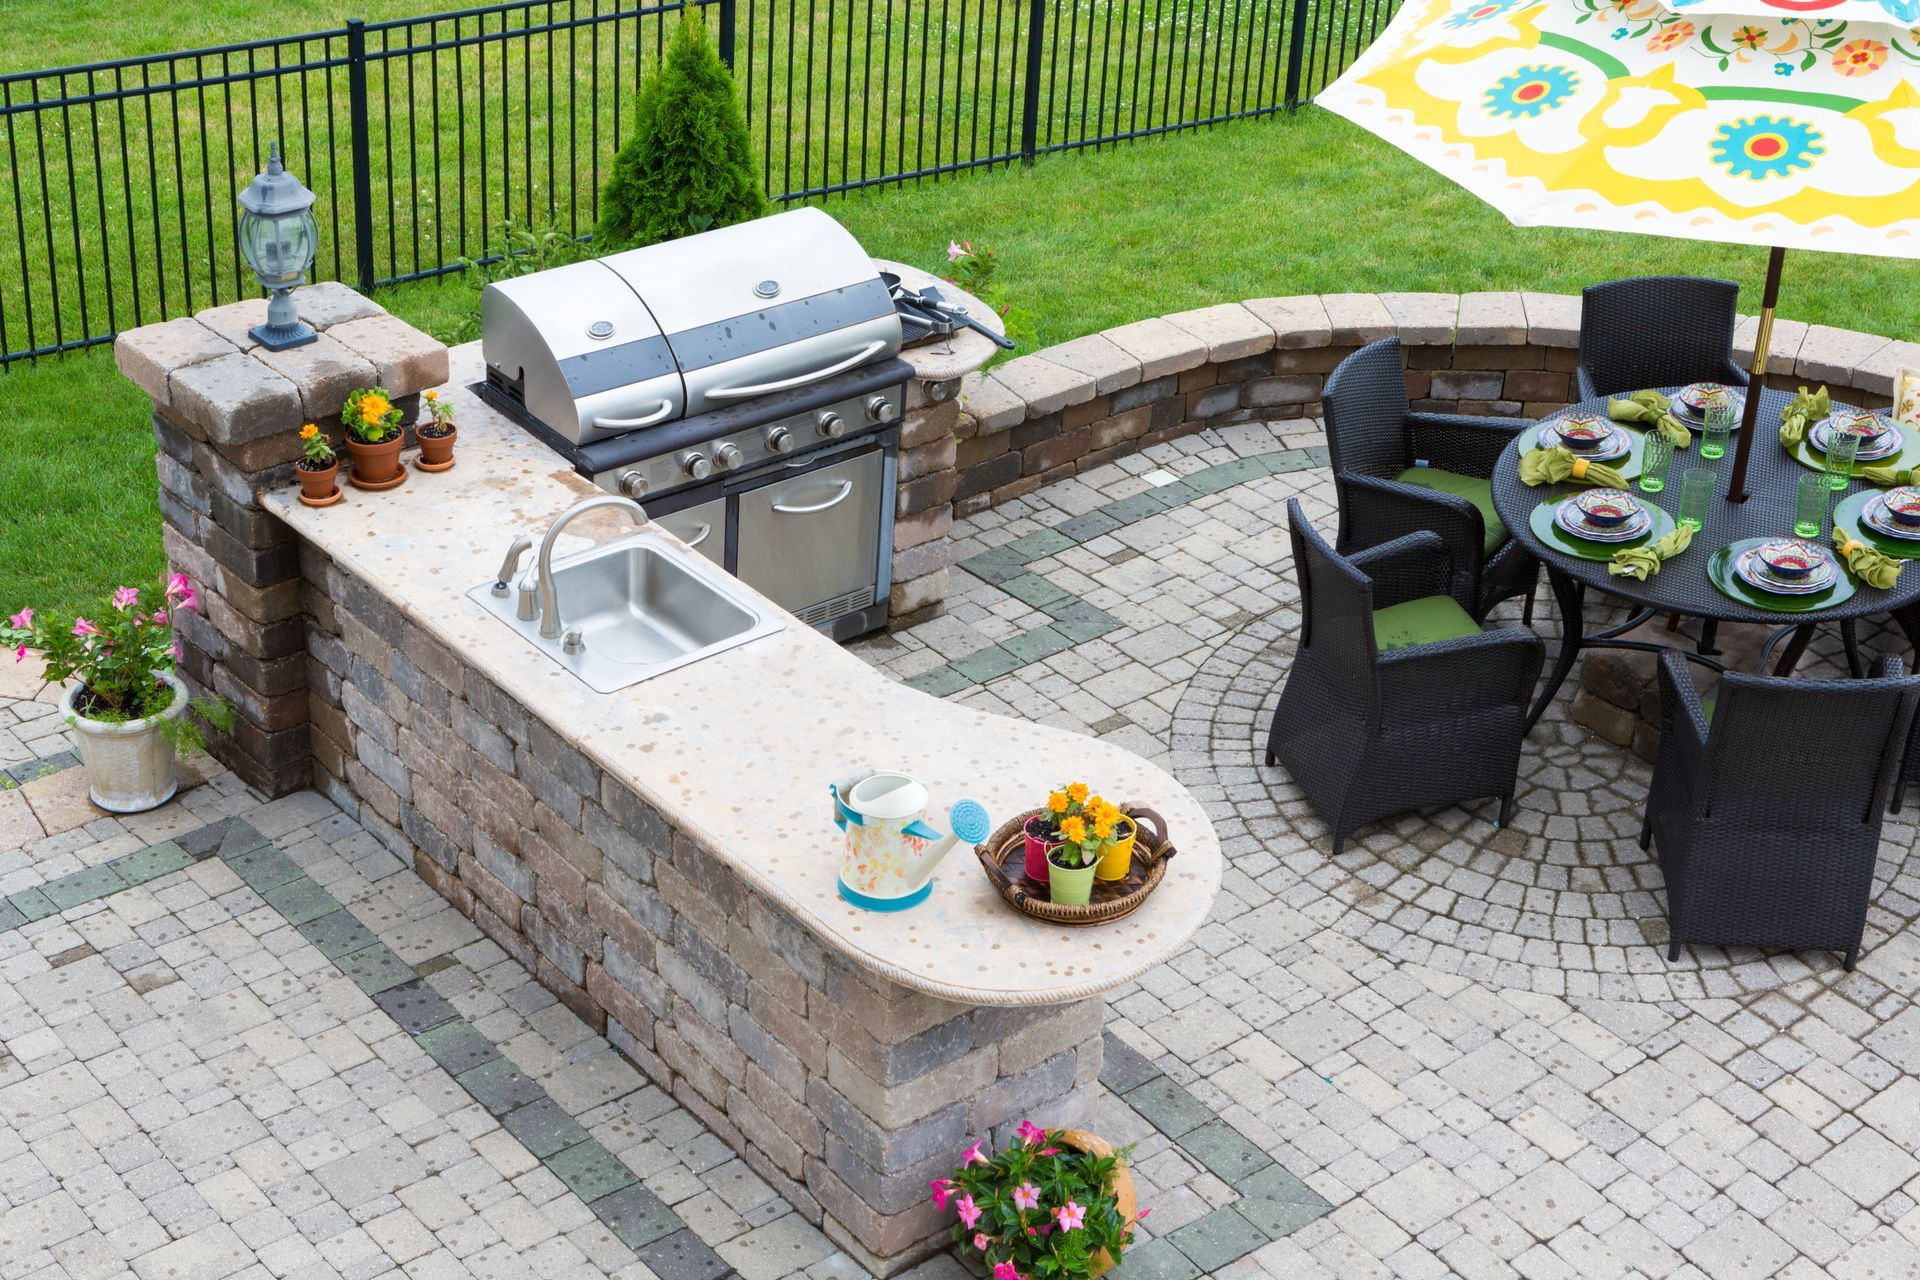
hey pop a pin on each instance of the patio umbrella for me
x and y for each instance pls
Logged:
(1785, 123)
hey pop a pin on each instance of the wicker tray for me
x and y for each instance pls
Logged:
(1004, 857)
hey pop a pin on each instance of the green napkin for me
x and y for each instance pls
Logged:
(1643, 562)
(1551, 466)
(1807, 408)
(1875, 568)
(1653, 409)
(1886, 475)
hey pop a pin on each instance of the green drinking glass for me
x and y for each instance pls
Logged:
(1810, 505)
(1713, 441)
(1696, 486)
(1842, 448)
(1655, 457)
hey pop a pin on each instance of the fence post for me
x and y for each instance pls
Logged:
(362, 145)
(1030, 111)
(1296, 53)
(726, 32)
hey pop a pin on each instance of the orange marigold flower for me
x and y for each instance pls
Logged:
(1073, 829)
(309, 431)
(1077, 790)
(1057, 802)
(375, 407)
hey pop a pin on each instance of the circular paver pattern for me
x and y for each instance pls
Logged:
(1563, 901)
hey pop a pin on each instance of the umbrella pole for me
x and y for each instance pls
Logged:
(1762, 339)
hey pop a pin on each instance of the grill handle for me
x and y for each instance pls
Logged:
(805, 379)
(664, 412)
(846, 487)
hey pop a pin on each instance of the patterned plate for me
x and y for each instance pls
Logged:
(1888, 443)
(1720, 573)
(1850, 518)
(1554, 539)
(1696, 418)
(1874, 513)
(1754, 573)
(1569, 517)
(1617, 444)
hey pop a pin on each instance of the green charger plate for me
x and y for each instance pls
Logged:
(1846, 518)
(1541, 522)
(1628, 467)
(1909, 456)
(1720, 573)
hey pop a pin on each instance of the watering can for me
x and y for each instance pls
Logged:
(891, 851)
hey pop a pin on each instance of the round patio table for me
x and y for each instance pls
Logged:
(1682, 586)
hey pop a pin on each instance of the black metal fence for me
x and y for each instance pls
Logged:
(422, 135)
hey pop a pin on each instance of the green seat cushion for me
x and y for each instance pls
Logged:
(1421, 621)
(1475, 490)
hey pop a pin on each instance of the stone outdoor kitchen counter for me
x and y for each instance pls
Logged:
(736, 750)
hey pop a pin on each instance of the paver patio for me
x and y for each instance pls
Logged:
(242, 1038)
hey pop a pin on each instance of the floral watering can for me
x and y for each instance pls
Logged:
(891, 851)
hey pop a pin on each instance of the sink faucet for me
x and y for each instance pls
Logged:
(550, 628)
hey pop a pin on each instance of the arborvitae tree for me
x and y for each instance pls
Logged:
(688, 166)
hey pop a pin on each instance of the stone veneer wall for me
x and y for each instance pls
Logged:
(226, 414)
(846, 1091)
(1042, 417)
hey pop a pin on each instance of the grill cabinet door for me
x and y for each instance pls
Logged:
(810, 543)
(704, 528)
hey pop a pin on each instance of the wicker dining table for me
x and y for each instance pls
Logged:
(1682, 586)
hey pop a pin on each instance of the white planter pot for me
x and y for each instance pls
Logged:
(129, 765)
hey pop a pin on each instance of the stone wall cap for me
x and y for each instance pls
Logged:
(150, 354)
(232, 321)
(1831, 355)
(1297, 322)
(1783, 348)
(993, 406)
(1045, 386)
(1876, 374)
(235, 399)
(1111, 368)
(324, 370)
(1230, 331)
(1492, 319)
(1553, 319)
(1161, 348)
(328, 303)
(1423, 319)
(405, 360)
(1357, 318)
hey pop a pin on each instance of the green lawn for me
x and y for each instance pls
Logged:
(1294, 205)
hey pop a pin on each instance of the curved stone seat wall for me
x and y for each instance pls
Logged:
(1045, 416)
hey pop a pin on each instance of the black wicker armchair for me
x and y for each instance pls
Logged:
(1766, 817)
(1396, 699)
(1376, 439)
(1656, 331)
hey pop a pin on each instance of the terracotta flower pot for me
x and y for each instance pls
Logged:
(1040, 837)
(436, 452)
(1125, 1202)
(317, 485)
(374, 464)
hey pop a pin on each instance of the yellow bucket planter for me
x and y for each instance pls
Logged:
(1118, 858)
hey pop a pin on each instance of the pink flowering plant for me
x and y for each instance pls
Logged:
(1039, 1210)
(116, 653)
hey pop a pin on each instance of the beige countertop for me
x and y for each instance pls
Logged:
(738, 748)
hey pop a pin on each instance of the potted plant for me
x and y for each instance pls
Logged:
(1085, 837)
(1057, 1204)
(1042, 830)
(436, 434)
(373, 438)
(130, 713)
(316, 468)
(1117, 859)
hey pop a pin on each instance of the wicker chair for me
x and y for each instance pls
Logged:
(1656, 331)
(1748, 862)
(1376, 438)
(1396, 699)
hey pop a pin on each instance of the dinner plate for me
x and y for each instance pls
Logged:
(1618, 443)
(1686, 413)
(1752, 572)
(1885, 445)
(1570, 519)
(1874, 515)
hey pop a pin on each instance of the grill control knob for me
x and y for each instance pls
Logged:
(830, 425)
(696, 466)
(633, 485)
(780, 440)
(726, 457)
(879, 409)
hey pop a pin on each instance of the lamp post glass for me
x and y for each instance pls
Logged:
(278, 237)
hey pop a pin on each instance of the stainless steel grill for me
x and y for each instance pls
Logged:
(744, 383)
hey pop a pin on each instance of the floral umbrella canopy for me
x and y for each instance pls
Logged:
(1787, 123)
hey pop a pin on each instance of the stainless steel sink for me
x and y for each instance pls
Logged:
(641, 606)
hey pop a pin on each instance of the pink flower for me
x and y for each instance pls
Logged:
(1071, 1216)
(1049, 1151)
(1006, 1271)
(981, 1240)
(974, 1155)
(954, 251)
(21, 656)
(1031, 1133)
(124, 597)
(81, 627)
(1026, 1196)
(940, 1187)
(1142, 1215)
(188, 600)
(159, 618)
(22, 619)
(969, 1211)
(177, 585)
(174, 648)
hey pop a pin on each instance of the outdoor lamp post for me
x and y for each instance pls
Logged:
(277, 238)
